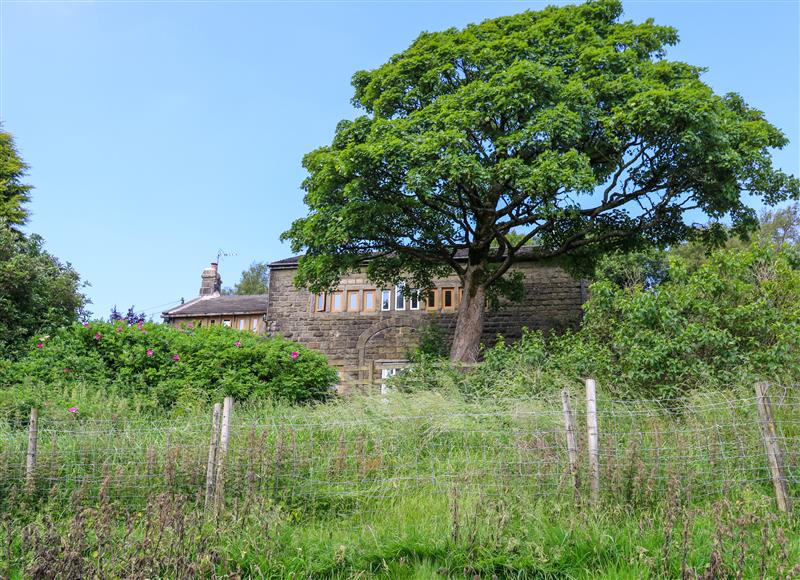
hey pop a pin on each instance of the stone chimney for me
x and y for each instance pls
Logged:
(211, 283)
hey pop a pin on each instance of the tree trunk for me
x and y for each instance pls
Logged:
(469, 326)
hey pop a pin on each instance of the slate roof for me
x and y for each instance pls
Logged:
(285, 263)
(221, 306)
(291, 262)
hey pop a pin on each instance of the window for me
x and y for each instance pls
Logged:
(447, 298)
(241, 324)
(336, 302)
(226, 322)
(414, 300)
(460, 294)
(399, 298)
(255, 325)
(385, 374)
(352, 301)
(369, 300)
(432, 301)
(320, 303)
(386, 300)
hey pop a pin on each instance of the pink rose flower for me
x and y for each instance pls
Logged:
(190, 325)
(176, 357)
(98, 336)
(73, 410)
(86, 325)
(39, 345)
(237, 344)
(149, 352)
(295, 355)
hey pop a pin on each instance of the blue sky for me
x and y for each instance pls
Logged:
(160, 132)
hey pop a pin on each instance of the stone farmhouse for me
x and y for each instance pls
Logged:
(245, 312)
(367, 332)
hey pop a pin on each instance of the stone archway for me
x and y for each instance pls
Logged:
(387, 340)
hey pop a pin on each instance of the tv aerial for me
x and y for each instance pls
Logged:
(223, 254)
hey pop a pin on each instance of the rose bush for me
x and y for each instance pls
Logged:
(157, 367)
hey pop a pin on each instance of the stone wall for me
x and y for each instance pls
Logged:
(361, 343)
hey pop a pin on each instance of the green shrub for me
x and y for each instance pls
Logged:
(157, 367)
(721, 324)
(735, 318)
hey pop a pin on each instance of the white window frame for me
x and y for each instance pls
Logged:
(226, 322)
(399, 298)
(385, 374)
(387, 303)
(414, 298)
(255, 325)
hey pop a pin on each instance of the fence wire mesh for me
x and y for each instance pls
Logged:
(516, 449)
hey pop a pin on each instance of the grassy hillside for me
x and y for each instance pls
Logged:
(422, 485)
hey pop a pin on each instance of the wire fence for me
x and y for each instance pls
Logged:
(517, 449)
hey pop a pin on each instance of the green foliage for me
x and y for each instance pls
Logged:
(666, 511)
(254, 280)
(13, 194)
(38, 293)
(781, 226)
(566, 124)
(156, 367)
(735, 317)
(431, 343)
(647, 268)
(722, 324)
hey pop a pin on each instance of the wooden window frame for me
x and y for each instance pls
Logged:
(389, 303)
(357, 294)
(229, 322)
(320, 297)
(374, 306)
(435, 293)
(241, 324)
(254, 324)
(452, 293)
(340, 295)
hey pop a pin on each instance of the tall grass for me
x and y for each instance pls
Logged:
(418, 485)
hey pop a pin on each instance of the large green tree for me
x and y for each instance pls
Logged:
(567, 124)
(13, 193)
(38, 293)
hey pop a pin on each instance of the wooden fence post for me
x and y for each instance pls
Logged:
(593, 440)
(572, 444)
(212, 455)
(773, 448)
(33, 437)
(222, 455)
